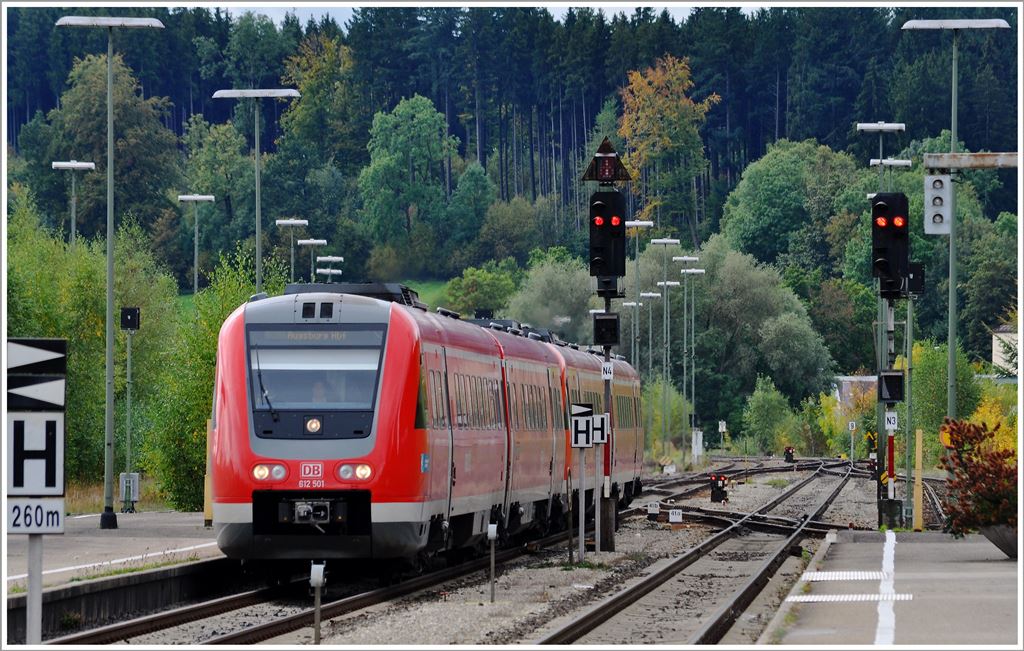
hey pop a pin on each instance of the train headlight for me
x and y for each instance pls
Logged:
(269, 471)
(359, 471)
(313, 425)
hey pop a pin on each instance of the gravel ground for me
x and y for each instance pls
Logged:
(541, 588)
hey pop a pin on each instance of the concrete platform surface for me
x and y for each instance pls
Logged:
(86, 551)
(885, 588)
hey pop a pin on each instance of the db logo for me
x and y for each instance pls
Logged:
(311, 470)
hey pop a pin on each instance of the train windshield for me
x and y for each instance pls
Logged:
(333, 368)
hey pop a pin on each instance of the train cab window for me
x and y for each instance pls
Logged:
(330, 370)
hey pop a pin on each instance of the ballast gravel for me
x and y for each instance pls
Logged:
(538, 589)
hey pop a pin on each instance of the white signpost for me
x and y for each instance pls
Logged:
(891, 425)
(36, 369)
(582, 424)
(853, 428)
(606, 370)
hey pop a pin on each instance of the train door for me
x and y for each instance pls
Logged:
(556, 433)
(449, 425)
(511, 450)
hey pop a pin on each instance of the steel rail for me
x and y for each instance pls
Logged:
(122, 631)
(605, 610)
(723, 618)
(263, 632)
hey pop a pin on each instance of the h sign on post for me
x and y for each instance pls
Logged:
(582, 425)
(35, 435)
(599, 428)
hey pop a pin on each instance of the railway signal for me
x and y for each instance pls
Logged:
(890, 242)
(607, 264)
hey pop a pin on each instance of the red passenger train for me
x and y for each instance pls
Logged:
(349, 422)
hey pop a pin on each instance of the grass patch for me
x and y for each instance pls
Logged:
(17, 588)
(117, 571)
(777, 483)
(432, 292)
(186, 306)
(81, 498)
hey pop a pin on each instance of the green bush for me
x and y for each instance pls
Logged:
(177, 420)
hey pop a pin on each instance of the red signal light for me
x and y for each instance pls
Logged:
(899, 221)
(616, 220)
(881, 222)
(598, 221)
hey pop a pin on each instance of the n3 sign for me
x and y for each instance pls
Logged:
(890, 420)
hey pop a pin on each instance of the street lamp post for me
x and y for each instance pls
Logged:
(636, 225)
(693, 344)
(195, 199)
(108, 520)
(650, 328)
(73, 165)
(687, 344)
(257, 93)
(665, 355)
(311, 243)
(293, 223)
(330, 272)
(666, 359)
(955, 26)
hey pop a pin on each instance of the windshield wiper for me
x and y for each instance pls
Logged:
(263, 390)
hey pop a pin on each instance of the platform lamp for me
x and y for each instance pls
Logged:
(311, 243)
(650, 327)
(687, 336)
(257, 93)
(955, 26)
(108, 519)
(693, 342)
(195, 199)
(292, 224)
(636, 225)
(73, 165)
(330, 271)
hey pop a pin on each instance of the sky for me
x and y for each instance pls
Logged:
(342, 12)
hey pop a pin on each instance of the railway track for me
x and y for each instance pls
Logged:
(758, 521)
(710, 629)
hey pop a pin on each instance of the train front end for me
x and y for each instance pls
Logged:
(308, 413)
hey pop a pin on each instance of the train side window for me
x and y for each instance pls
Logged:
(478, 403)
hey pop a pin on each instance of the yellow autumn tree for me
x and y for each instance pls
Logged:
(998, 407)
(661, 127)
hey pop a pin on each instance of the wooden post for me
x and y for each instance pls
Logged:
(918, 483)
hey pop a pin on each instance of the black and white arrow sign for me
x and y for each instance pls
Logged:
(46, 356)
